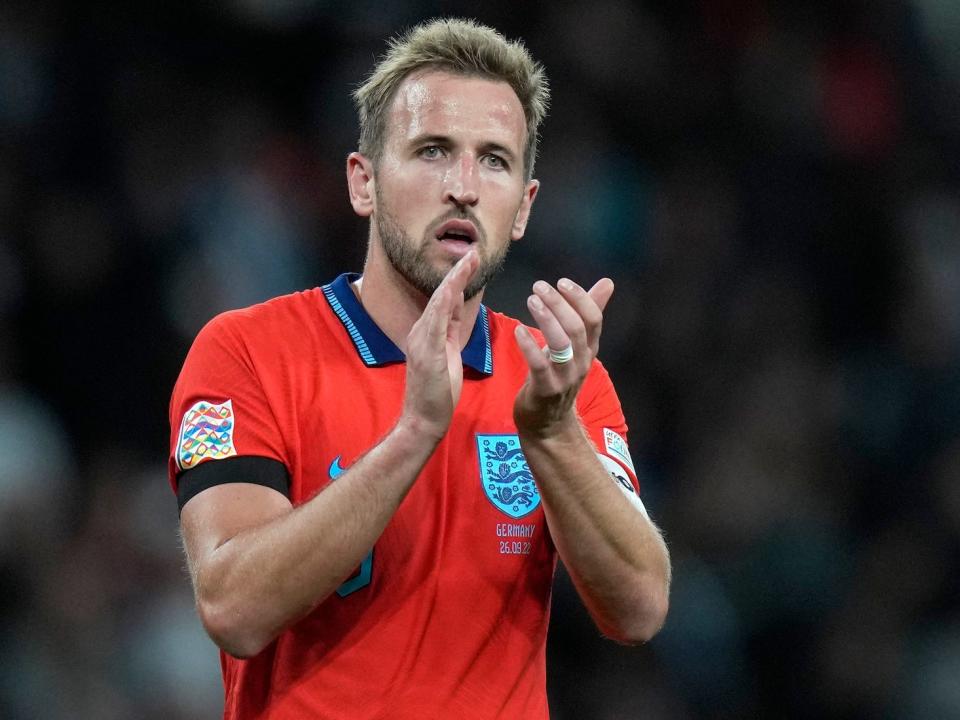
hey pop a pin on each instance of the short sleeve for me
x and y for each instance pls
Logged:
(602, 416)
(219, 408)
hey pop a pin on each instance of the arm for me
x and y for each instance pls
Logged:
(258, 564)
(614, 553)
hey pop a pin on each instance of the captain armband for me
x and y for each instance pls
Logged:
(619, 476)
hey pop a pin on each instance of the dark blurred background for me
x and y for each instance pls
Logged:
(773, 185)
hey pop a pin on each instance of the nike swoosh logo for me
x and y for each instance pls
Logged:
(335, 470)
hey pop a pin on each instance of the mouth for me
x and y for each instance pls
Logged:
(459, 232)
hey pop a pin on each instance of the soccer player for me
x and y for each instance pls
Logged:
(376, 477)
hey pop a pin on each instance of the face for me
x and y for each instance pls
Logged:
(450, 178)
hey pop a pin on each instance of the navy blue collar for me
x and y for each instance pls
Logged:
(375, 348)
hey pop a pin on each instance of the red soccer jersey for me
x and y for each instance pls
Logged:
(448, 615)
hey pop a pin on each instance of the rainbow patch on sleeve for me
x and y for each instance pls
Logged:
(206, 433)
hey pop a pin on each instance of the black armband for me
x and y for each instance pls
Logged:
(246, 468)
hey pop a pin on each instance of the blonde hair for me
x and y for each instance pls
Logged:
(462, 47)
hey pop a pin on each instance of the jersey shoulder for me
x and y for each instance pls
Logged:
(280, 311)
(280, 321)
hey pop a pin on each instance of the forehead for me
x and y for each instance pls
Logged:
(444, 103)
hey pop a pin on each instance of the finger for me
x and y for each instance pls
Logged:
(460, 274)
(437, 316)
(586, 307)
(536, 360)
(568, 318)
(456, 313)
(547, 322)
(601, 292)
(447, 292)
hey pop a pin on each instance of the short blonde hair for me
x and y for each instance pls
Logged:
(462, 47)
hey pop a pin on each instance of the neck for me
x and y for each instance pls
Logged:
(395, 305)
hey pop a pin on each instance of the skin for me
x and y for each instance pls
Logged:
(454, 149)
(451, 141)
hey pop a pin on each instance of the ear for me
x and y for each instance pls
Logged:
(360, 181)
(523, 214)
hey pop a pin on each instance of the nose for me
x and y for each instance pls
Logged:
(462, 182)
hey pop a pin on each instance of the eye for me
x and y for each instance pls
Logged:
(431, 152)
(495, 161)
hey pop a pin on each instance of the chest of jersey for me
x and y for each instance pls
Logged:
(474, 512)
(472, 523)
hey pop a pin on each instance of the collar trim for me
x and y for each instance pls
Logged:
(376, 349)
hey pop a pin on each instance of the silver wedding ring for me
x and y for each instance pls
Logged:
(561, 356)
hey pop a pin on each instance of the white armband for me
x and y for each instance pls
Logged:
(622, 480)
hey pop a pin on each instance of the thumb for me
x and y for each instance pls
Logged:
(456, 313)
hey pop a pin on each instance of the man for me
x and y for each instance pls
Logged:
(376, 476)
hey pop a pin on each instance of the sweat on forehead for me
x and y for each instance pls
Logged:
(457, 46)
(447, 101)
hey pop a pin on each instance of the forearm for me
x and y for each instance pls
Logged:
(258, 582)
(613, 552)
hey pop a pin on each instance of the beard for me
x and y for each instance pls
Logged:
(410, 258)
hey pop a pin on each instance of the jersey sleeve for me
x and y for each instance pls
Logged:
(219, 408)
(602, 417)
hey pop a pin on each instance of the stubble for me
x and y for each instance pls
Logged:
(411, 259)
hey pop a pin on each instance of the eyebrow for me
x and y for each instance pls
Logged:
(502, 149)
(446, 141)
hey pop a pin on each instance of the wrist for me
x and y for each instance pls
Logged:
(563, 429)
(418, 432)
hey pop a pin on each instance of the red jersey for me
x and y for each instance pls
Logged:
(448, 615)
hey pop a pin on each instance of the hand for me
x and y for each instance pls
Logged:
(434, 367)
(567, 315)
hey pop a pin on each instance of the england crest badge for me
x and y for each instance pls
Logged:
(505, 476)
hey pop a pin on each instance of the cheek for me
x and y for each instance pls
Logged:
(397, 191)
(510, 210)
(502, 190)
(421, 185)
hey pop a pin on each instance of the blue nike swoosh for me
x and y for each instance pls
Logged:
(335, 470)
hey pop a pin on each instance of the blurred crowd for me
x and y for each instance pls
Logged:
(774, 186)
